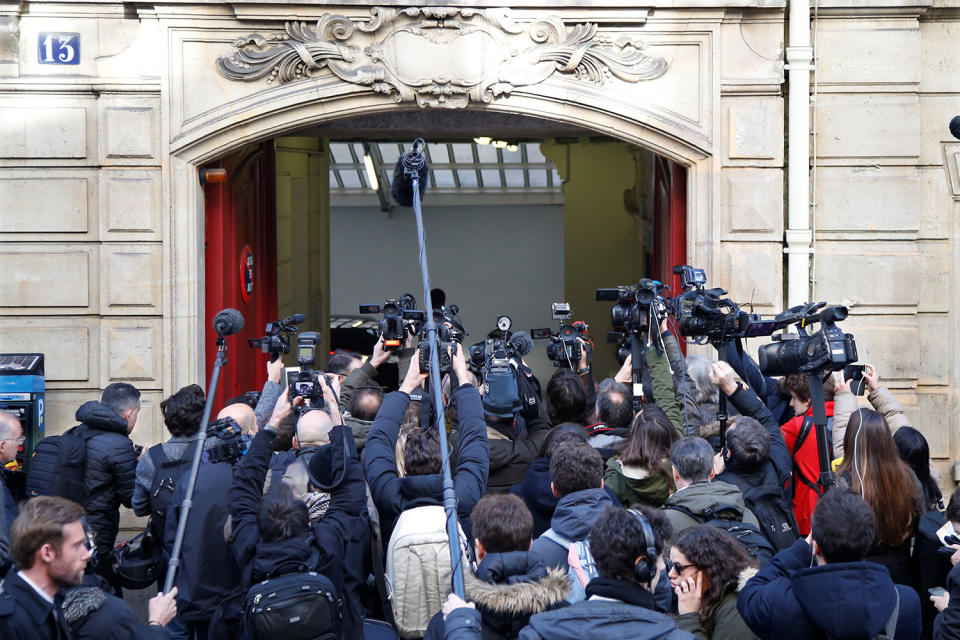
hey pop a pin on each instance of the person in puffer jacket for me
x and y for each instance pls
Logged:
(510, 584)
(111, 466)
(822, 585)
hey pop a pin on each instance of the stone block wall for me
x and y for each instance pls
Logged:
(81, 237)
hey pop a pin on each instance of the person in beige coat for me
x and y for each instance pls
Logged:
(880, 398)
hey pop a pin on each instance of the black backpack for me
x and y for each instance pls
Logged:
(730, 518)
(773, 510)
(293, 606)
(58, 466)
(166, 475)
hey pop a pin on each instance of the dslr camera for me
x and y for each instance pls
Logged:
(829, 349)
(450, 332)
(564, 349)
(306, 382)
(400, 317)
(634, 304)
(231, 442)
(276, 341)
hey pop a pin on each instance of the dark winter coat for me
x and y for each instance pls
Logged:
(536, 493)
(790, 600)
(24, 615)
(208, 572)
(340, 540)
(511, 453)
(631, 618)
(507, 589)
(110, 472)
(393, 494)
(946, 626)
(96, 615)
(575, 515)
(765, 387)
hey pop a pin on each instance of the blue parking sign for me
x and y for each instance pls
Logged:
(58, 48)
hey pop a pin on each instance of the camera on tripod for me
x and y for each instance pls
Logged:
(635, 304)
(400, 317)
(829, 349)
(275, 341)
(231, 442)
(450, 333)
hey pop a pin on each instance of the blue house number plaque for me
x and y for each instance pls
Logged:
(59, 48)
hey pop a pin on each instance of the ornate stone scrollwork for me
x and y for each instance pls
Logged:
(441, 56)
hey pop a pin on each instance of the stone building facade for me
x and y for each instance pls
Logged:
(101, 221)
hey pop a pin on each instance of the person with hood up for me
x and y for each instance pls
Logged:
(822, 585)
(510, 583)
(693, 469)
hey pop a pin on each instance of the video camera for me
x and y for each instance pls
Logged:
(400, 317)
(829, 349)
(707, 314)
(275, 342)
(564, 350)
(231, 442)
(450, 332)
(635, 304)
(506, 346)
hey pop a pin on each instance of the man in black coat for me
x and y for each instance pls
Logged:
(274, 536)
(50, 552)
(111, 465)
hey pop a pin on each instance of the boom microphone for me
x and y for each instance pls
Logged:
(228, 322)
(955, 127)
(521, 343)
(410, 162)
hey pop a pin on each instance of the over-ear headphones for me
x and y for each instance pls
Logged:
(646, 569)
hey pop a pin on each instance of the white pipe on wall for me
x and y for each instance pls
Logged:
(799, 237)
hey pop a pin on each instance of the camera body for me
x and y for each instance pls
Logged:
(564, 349)
(307, 384)
(400, 318)
(705, 313)
(231, 444)
(276, 340)
(634, 304)
(829, 349)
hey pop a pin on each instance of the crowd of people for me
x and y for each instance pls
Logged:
(704, 514)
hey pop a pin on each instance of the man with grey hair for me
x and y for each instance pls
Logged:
(614, 413)
(697, 497)
(11, 437)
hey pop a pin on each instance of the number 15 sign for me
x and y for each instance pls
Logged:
(59, 48)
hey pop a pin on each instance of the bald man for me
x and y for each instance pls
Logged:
(244, 416)
(11, 437)
(313, 430)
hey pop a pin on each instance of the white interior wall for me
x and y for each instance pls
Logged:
(489, 259)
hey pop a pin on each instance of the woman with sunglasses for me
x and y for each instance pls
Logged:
(707, 567)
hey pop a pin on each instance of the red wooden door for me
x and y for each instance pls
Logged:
(241, 223)
(669, 221)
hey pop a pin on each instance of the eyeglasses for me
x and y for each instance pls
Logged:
(19, 440)
(672, 566)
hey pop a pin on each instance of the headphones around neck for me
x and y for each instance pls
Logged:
(646, 569)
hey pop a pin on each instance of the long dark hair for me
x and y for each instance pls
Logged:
(915, 451)
(651, 436)
(718, 555)
(872, 461)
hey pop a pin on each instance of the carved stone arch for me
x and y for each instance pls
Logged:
(287, 108)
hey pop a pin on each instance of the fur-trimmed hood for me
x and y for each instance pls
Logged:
(519, 598)
(80, 602)
(745, 576)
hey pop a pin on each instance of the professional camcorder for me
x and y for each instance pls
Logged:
(564, 349)
(450, 333)
(400, 318)
(231, 442)
(829, 349)
(635, 304)
(275, 341)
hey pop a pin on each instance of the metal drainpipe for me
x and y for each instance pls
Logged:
(799, 237)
